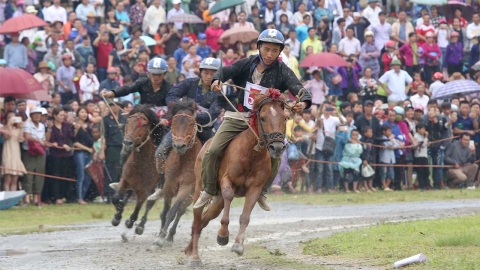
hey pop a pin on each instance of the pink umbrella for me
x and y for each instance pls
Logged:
(20, 23)
(17, 81)
(323, 60)
(40, 95)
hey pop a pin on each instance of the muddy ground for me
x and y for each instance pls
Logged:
(99, 245)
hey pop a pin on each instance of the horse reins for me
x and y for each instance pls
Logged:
(191, 142)
(137, 149)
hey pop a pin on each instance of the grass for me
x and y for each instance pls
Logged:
(272, 259)
(20, 220)
(451, 243)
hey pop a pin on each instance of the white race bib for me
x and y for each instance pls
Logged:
(253, 88)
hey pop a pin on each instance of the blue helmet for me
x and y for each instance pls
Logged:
(271, 36)
(399, 110)
(210, 63)
(3, 62)
(157, 66)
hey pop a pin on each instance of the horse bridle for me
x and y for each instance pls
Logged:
(194, 132)
(134, 140)
(268, 138)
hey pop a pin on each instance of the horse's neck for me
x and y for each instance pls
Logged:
(146, 152)
(252, 141)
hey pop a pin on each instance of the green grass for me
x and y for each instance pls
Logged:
(28, 219)
(272, 259)
(451, 243)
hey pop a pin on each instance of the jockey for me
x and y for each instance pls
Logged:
(265, 70)
(207, 113)
(153, 90)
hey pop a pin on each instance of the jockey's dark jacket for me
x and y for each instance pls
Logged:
(147, 95)
(192, 88)
(279, 76)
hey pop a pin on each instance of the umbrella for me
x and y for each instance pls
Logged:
(323, 60)
(448, 10)
(452, 88)
(40, 95)
(243, 34)
(20, 23)
(185, 18)
(430, 2)
(224, 4)
(95, 171)
(17, 81)
(148, 41)
(9, 199)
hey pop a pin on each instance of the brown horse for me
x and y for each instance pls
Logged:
(179, 168)
(139, 172)
(243, 172)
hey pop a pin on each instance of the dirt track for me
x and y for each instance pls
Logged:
(99, 246)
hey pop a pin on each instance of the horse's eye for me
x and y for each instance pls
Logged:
(262, 119)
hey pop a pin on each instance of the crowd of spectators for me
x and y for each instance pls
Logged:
(372, 125)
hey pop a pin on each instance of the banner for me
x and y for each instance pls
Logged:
(253, 89)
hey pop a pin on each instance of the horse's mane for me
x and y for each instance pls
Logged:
(152, 117)
(183, 104)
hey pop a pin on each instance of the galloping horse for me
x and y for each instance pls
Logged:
(179, 168)
(139, 173)
(243, 172)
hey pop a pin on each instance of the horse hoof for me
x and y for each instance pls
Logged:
(237, 248)
(115, 222)
(167, 244)
(139, 230)
(222, 241)
(129, 224)
(158, 242)
(196, 264)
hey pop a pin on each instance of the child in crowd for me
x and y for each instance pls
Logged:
(368, 157)
(98, 144)
(350, 164)
(387, 157)
(417, 80)
(421, 156)
(187, 70)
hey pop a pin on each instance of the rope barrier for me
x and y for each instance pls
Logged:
(41, 174)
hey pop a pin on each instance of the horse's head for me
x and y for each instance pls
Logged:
(269, 119)
(184, 126)
(141, 123)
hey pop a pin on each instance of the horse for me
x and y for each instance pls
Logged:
(139, 172)
(179, 168)
(244, 168)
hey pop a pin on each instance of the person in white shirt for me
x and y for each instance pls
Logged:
(372, 11)
(437, 77)
(294, 43)
(154, 16)
(55, 13)
(88, 83)
(269, 12)
(346, 16)
(382, 31)
(176, 10)
(335, 6)
(298, 16)
(420, 98)
(242, 21)
(283, 10)
(349, 45)
(473, 29)
(393, 81)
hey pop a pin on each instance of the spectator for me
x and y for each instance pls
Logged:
(268, 11)
(154, 16)
(346, 16)
(454, 55)
(65, 75)
(242, 21)
(371, 13)
(137, 12)
(44, 77)
(104, 47)
(298, 16)
(181, 52)
(401, 29)
(203, 50)
(369, 55)
(324, 33)
(368, 157)
(202, 7)
(368, 85)
(92, 26)
(59, 159)
(176, 10)
(83, 9)
(34, 156)
(190, 35)
(54, 56)
(89, 84)
(114, 27)
(312, 40)
(334, 7)
(67, 27)
(55, 13)
(435, 19)
(462, 156)
(457, 15)
(110, 83)
(350, 75)
(351, 161)
(349, 45)
(437, 77)
(284, 26)
(213, 33)
(318, 90)
(84, 142)
(302, 29)
(420, 98)
(466, 121)
(338, 33)
(421, 157)
(15, 53)
(76, 58)
(387, 157)
(359, 25)
(322, 12)
(394, 82)
(122, 16)
(382, 31)
(86, 52)
(294, 43)
(462, 33)
(423, 29)
(11, 155)
(172, 73)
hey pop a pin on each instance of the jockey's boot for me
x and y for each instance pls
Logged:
(114, 186)
(263, 202)
(202, 200)
(156, 194)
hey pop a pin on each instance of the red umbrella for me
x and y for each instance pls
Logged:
(95, 171)
(40, 95)
(20, 23)
(17, 81)
(323, 60)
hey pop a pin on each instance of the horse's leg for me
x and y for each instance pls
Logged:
(118, 203)
(163, 216)
(227, 193)
(141, 196)
(141, 225)
(250, 200)
(183, 202)
(199, 222)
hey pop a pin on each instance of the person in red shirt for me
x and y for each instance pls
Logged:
(423, 29)
(103, 51)
(458, 14)
(213, 34)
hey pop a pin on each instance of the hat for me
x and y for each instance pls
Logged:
(419, 108)
(408, 107)
(35, 110)
(379, 112)
(271, 1)
(442, 20)
(44, 111)
(368, 33)
(174, 2)
(395, 62)
(20, 2)
(356, 14)
(454, 108)
(66, 56)
(185, 39)
(384, 106)
(438, 76)
(114, 101)
(202, 36)
(43, 64)
(372, 1)
(454, 34)
(111, 70)
(390, 44)
(91, 14)
(367, 102)
(31, 9)
(429, 34)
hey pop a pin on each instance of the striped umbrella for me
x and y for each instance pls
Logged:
(185, 18)
(430, 2)
(456, 87)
